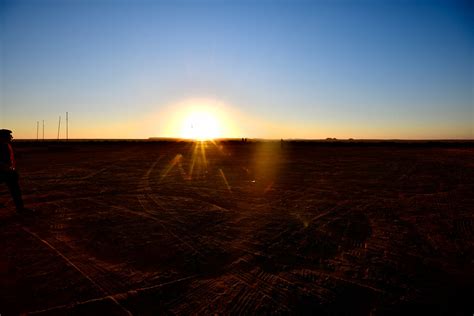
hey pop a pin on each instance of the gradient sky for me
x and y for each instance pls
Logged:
(276, 69)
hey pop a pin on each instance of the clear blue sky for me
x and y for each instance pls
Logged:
(284, 69)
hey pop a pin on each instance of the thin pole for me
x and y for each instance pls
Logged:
(43, 130)
(37, 130)
(67, 126)
(59, 126)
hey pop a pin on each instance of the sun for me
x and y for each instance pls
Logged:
(199, 119)
(200, 124)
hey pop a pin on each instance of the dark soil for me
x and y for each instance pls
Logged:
(239, 228)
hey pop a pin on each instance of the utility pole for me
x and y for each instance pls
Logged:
(59, 126)
(43, 130)
(37, 130)
(67, 127)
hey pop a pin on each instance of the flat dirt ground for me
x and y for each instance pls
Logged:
(239, 228)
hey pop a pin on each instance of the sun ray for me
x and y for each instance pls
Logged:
(203, 154)
(225, 180)
(171, 165)
(193, 162)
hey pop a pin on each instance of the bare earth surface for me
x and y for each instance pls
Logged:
(232, 228)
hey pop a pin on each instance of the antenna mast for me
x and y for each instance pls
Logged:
(67, 126)
(59, 126)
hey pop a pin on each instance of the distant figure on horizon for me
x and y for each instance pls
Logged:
(8, 173)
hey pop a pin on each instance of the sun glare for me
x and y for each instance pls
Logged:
(200, 125)
(197, 119)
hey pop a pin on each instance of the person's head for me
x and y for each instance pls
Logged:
(5, 135)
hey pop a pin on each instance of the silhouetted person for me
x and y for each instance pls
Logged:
(8, 173)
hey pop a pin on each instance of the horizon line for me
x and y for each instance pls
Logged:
(328, 139)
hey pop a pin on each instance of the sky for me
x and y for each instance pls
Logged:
(265, 69)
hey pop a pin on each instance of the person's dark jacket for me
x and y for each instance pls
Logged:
(6, 162)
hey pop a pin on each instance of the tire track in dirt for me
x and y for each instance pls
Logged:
(239, 299)
(165, 225)
(316, 274)
(256, 284)
(122, 296)
(168, 223)
(149, 214)
(49, 180)
(57, 178)
(106, 168)
(102, 272)
(464, 227)
(249, 294)
(318, 222)
(147, 188)
(200, 293)
(144, 200)
(165, 217)
(77, 268)
(269, 289)
(93, 273)
(265, 289)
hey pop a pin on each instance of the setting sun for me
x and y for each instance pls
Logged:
(200, 125)
(197, 119)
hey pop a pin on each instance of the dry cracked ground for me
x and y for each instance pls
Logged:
(151, 228)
